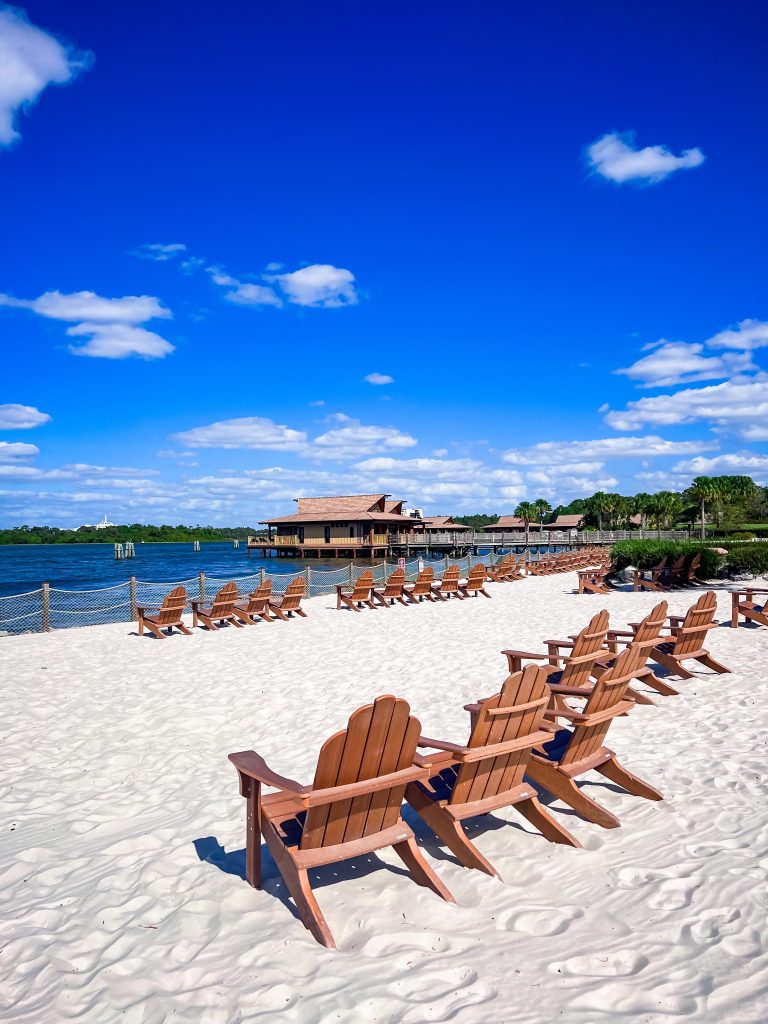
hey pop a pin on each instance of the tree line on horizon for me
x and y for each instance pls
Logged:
(726, 501)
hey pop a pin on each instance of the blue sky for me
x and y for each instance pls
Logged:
(538, 229)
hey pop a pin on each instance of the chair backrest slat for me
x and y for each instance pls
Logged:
(524, 697)
(380, 738)
(293, 594)
(225, 599)
(587, 647)
(173, 605)
(698, 617)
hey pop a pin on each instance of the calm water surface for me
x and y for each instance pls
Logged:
(24, 567)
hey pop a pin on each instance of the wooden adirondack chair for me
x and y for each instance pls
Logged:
(503, 571)
(393, 589)
(574, 668)
(685, 641)
(422, 588)
(352, 808)
(690, 579)
(257, 605)
(448, 585)
(743, 603)
(166, 617)
(362, 593)
(221, 610)
(593, 581)
(475, 583)
(487, 773)
(673, 575)
(645, 637)
(652, 582)
(289, 604)
(572, 752)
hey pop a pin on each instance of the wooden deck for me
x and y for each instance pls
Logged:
(460, 542)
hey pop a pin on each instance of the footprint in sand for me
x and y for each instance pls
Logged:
(672, 894)
(546, 921)
(617, 964)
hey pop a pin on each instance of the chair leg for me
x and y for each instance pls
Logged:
(449, 831)
(618, 773)
(421, 872)
(709, 662)
(637, 697)
(565, 789)
(541, 819)
(660, 685)
(299, 611)
(297, 882)
(155, 631)
(670, 663)
(184, 629)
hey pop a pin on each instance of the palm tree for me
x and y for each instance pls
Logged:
(527, 512)
(541, 508)
(666, 507)
(703, 491)
(639, 507)
(597, 506)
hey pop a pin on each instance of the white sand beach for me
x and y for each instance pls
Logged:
(122, 832)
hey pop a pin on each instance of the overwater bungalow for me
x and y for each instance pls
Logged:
(349, 526)
(442, 524)
(566, 522)
(511, 524)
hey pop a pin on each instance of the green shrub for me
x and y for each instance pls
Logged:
(751, 558)
(644, 554)
(741, 535)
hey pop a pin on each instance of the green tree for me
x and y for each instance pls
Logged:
(542, 508)
(526, 511)
(703, 491)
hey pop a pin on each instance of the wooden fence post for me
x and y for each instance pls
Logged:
(45, 608)
(201, 586)
(133, 600)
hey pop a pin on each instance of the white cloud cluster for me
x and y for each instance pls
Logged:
(616, 157)
(746, 336)
(748, 463)
(678, 362)
(571, 453)
(739, 403)
(319, 284)
(358, 439)
(111, 326)
(256, 432)
(13, 451)
(21, 417)
(379, 378)
(30, 60)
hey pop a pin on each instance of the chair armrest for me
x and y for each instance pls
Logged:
(619, 632)
(573, 716)
(570, 691)
(559, 643)
(523, 654)
(251, 764)
(473, 709)
(454, 748)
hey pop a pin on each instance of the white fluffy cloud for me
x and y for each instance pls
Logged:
(256, 432)
(112, 326)
(748, 463)
(615, 156)
(21, 417)
(735, 403)
(244, 293)
(746, 336)
(440, 468)
(30, 60)
(12, 451)
(358, 439)
(677, 362)
(379, 378)
(554, 453)
(318, 285)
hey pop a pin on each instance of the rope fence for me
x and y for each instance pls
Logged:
(49, 608)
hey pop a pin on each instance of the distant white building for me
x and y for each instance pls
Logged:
(103, 524)
(414, 513)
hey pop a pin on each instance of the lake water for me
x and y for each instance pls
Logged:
(24, 567)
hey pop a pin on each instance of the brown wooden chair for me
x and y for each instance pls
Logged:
(393, 589)
(362, 593)
(221, 610)
(487, 773)
(593, 581)
(448, 585)
(573, 751)
(503, 571)
(576, 667)
(289, 604)
(690, 579)
(653, 581)
(166, 617)
(743, 604)
(687, 634)
(645, 636)
(475, 582)
(422, 589)
(352, 808)
(257, 606)
(674, 575)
